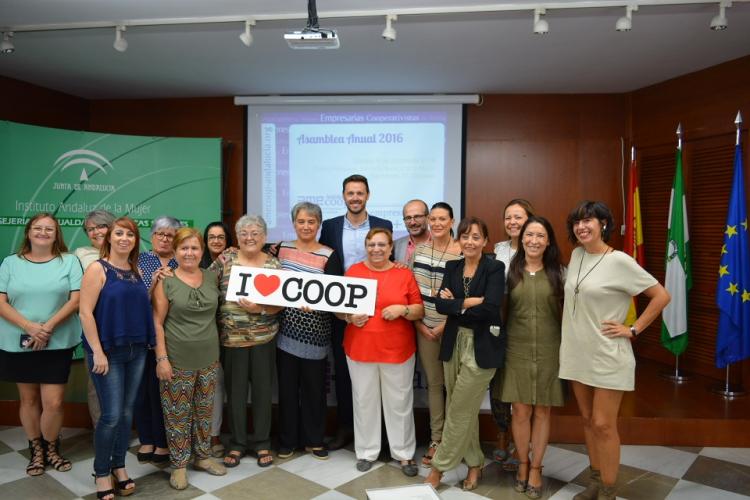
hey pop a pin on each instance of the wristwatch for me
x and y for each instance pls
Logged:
(633, 331)
(406, 311)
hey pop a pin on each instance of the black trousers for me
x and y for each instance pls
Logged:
(343, 383)
(302, 400)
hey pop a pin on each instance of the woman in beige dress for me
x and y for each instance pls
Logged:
(596, 353)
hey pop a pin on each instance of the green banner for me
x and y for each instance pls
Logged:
(69, 173)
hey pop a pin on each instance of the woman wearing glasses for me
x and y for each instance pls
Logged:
(247, 332)
(217, 238)
(96, 225)
(39, 326)
(149, 421)
(380, 353)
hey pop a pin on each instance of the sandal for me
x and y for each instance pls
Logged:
(472, 483)
(232, 459)
(521, 484)
(106, 494)
(511, 464)
(123, 488)
(500, 455)
(534, 492)
(36, 462)
(427, 457)
(409, 468)
(144, 457)
(318, 452)
(265, 458)
(52, 456)
(434, 484)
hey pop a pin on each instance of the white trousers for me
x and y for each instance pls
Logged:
(216, 417)
(393, 384)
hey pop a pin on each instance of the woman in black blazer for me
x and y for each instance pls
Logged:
(472, 348)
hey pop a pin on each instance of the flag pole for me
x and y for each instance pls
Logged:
(675, 376)
(728, 391)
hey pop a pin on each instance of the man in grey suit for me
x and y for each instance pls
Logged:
(415, 219)
(346, 235)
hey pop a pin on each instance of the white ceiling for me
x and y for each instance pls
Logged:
(446, 53)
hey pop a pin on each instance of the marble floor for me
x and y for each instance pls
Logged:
(647, 472)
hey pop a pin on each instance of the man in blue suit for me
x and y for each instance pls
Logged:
(346, 235)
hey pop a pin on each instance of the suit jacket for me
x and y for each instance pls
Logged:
(399, 249)
(488, 282)
(333, 229)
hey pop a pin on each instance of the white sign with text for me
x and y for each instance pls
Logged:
(321, 292)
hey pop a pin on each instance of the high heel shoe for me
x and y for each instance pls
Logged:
(535, 492)
(102, 495)
(121, 487)
(470, 483)
(521, 484)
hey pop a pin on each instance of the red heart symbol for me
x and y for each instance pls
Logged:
(266, 285)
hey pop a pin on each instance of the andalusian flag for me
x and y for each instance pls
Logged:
(677, 280)
(733, 288)
(633, 245)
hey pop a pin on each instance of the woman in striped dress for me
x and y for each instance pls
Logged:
(429, 264)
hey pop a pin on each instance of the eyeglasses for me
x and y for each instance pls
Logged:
(99, 227)
(252, 234)
(164, 236)
(415, 218)
(373, 245)
(218, 237)
(42, 229)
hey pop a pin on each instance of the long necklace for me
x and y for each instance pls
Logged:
(433, 274)
(467, 281)
(579, 280)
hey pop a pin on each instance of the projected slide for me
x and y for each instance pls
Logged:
(304, 156)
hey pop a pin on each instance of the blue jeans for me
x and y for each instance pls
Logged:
(117, 391)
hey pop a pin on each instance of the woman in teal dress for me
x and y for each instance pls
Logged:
(39, 327)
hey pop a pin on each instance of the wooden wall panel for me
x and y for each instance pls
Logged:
(554, 150)
(202, 117)
(705, 103)
(26, 103)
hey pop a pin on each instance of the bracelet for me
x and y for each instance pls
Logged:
(162, 358)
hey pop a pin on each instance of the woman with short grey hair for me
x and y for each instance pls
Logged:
(96, 224)
(149, 420)
(247, 332)
(303, 342)
(312, 210)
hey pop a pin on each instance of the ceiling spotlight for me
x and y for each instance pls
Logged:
(246, 37)
(625, 23)
(541, 26)
(120, 45)
(389, 33)
(7, 47)
(719, 22)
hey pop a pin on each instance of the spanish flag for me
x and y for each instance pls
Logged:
(633, 244)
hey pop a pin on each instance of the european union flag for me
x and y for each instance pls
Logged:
(733, 290)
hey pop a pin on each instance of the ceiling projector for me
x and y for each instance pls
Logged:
(312, 38)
